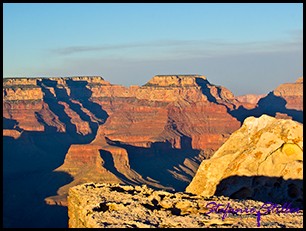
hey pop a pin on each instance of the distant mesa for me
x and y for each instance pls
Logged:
(174, 80)
(292, 93)
(188, 104)
(250, 100)
(286, 101)
(11, 133)
(19, 81)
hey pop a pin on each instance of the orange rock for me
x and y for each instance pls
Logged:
(250, 100)
(12, 133)
(292, 93)
(263, 153)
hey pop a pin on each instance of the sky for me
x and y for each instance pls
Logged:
(247, 48)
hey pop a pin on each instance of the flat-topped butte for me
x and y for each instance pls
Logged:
(175, 80)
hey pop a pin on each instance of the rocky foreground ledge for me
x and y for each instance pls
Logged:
(116, 206)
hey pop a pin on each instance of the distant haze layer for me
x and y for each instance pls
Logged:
(249, 48)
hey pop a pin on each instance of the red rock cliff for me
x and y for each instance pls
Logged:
(116, 133)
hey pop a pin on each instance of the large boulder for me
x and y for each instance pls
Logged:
(263, 160)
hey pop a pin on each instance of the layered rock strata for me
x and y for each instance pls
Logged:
(66, 103)
(292, 93)
(174, 121)
(286, 101)
(249, 101)
(159, 119)
(63, 131)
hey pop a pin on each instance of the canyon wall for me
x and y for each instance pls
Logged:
(70, 130)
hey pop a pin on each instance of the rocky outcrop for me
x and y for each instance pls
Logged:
(292, 93)
(207, 124)
(39, 103)
(21, 89)
(286, 101)
(120, 206)
(22, 93)
(21, 99)
(84, 163)
(24, 112)
(249, 101)
(162, 106)
(175, 80)
(19, 81)
(11, 133)
(263, 160)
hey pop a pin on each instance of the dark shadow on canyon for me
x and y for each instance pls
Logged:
(263, 188)
(80, 92)
(29, 161)
(269, 105)
(110, 166)
(28, 178)
(157, 161)
(9, 123)
(55, 107)
(203, 83)
(58, 109)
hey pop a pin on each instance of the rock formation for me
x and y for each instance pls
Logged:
(249, 101)
(22, 100)
(286, 101)
(67, 103)
(71, 130)
(11, 133)
(169, 119)
(263, 160)
(292, 93)
(121, 206)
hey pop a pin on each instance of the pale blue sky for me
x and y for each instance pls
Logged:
(248, 48)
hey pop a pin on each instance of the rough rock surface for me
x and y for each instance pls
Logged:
(121, 206)
(286, 101)
(292, 93)
(262, 160)
(11, 133)
(149, 113)
(250, 100)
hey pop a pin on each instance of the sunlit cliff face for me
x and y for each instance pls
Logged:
(60, 132)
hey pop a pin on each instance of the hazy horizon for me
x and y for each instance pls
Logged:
(247, 48)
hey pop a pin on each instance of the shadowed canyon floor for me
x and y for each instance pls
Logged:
(61, 132)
